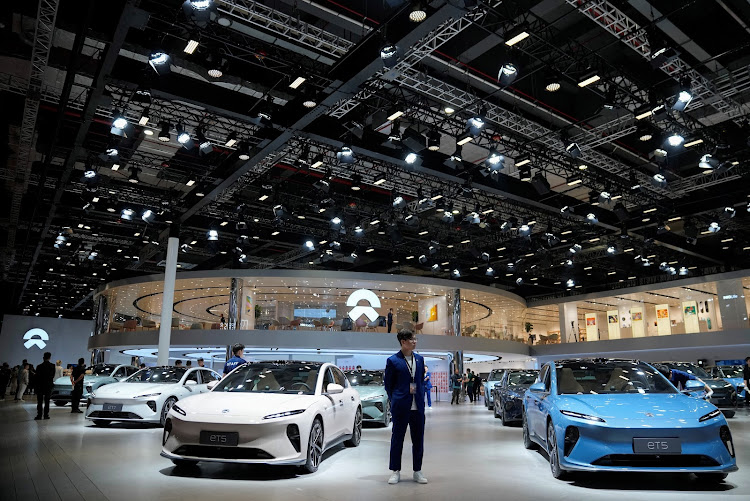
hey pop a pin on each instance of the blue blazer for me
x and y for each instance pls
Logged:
(397, 381)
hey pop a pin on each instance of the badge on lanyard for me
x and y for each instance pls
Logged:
(413, 388)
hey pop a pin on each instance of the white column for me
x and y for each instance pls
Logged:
(731, 304)
(568, 313)
(167, 301)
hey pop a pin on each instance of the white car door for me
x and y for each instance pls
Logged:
(207, 375)
(334, 408)
(191, 384)
(349, 400)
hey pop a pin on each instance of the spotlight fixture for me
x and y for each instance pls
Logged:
(576, 248)
(728, 212)
(519, 281)
(611, 249)
(572, 149)
(474, 126)
(433, 140)
(399, 202)
(490, 272)
(683, 271)
(160, 63)
(507, 74)
(659, 180)
(515, 35)
(390, 54)
(212, 235)
(540, 184)
(356, 182)
(411, 158)
(684, 96)
(552, 83)
(570, 283)
(148, 216)
(164, 135)
(708, 161)
(231, 140)
(494, 160)
(456, 273)
(204, 145)
(198, 11)
(346, 155)
(183, 137)
(120, 122)
(127, 214)
(714, 227)
(418, 12)
(588, 79)
(133, 178)
(605, 197)
(309, 245)
(244, 152)
(524, 174)
(675, 139)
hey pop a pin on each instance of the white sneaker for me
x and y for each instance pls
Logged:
(419, 477)
(395, 477)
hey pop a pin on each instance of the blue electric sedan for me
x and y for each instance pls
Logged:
(495, 376)
(731, 374)
(623, 415)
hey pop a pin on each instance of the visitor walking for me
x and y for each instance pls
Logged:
(470, 385)
(23, 381)
(389, 320)
(45, 375)
(428, 386)
(76, 378)
(477, 386)
(456, 381)
(405, 389)
(222, 322)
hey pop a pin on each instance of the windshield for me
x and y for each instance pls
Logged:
(272, 378)
(102, 370)
(690, 369)
(524, 379)
(365, 378)
(157, 375)
(732, 371)
(610, 376)
(495, 376)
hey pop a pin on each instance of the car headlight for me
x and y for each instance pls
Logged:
(178, 410)
(710, 415)
(374, 397)
(148, 395)
(282, 414)
(582, 416)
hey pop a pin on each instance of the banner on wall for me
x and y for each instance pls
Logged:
(247, 310)
(433, 314)
(663, 325)
(592, 333)
(613, 324)
(625, 318)
(690, 317)
(636, 317)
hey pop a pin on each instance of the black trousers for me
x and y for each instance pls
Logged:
(42, 401)
(3, 386)
(456, 395)
(390, 324)
(415, 421)
(75, 397)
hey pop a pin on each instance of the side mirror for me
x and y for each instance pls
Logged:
(694, 385)
(334, 388)
(190, 382)
(538, 387)
(211, 385)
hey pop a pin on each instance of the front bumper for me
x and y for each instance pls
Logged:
(259, 443)
(513, 409)
(603, 448)
(132, 410)
(373, 410)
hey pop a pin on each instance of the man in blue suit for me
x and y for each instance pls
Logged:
(404, 383)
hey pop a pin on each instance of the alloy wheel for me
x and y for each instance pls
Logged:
(165, 410)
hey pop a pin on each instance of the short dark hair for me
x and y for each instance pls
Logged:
(81, 361)
(747, 358)
(142, 366)
(178, 362)
(200, 359)
(47, 355)
(237, 347)
(404, 334)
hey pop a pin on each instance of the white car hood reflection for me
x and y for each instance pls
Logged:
(129, 390)
(247, 406)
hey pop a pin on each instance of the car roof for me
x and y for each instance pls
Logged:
(596, 360)
(289, 362)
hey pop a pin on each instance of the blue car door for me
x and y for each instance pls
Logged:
(533, 407)
(542, 404)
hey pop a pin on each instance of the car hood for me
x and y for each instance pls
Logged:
(736, 381)
(65, 380)
(717, 384)
(244, 406)
(369, 391)
(129, 390)
(637, 410)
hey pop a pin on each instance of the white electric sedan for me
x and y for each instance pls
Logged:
(285, 412)
(147, 395)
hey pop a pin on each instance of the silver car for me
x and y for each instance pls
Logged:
(372, 395)
(95, 376)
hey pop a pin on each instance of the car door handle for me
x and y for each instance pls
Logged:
(341, 403)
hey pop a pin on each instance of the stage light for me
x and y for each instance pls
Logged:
(433, 140)
(148, 216)
(524, 174)
(190, 46)
(588, 79)
(474, 126)
(552, 83)
(390, 54)
(231, 139)
(714, 227)
(164, 135)
(684, 96)
(212, 235)
(659, 180)
(399, 202)
(570, 283)
(120, 122)
(611, 249)
(309, 245)
(346, 155)
(133, 178)
(198, 11)
(456, 273)
(244, 152)
(515, 35)
(519, 281)
(507, 74)
(575, 249)
(410, 157)
(605, 197)
(160, 63)
(574, 180)
(675, 139)
(572, 149)
(297, 82)
(127, 214)
(683, 271)
(524, 230)
(728, 212)
(418, 13)
(707, 161)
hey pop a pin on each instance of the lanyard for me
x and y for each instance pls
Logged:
(411, 366)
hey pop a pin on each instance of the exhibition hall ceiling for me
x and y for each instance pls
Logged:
(544, 148)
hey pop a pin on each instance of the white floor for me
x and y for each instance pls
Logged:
(469, 456)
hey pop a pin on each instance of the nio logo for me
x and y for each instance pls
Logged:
(368, 311)
(225, 411)
(658, 446)
(36, 337)
(648, 414)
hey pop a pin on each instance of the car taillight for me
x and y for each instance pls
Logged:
(571, 439)
(292, 432)
(726, 437)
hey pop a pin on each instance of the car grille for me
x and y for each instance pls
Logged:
(655, 461)
(368, 415)
(114, 415)
(214, 452)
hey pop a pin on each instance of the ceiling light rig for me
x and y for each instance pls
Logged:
(507, 74)
(418, 12)
(160, 62)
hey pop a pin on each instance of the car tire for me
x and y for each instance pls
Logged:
(102, 423)
(553, 452)
(314, 447)
(711, 477)
(165, 410)
(387, 418)
(504, 418)
(495, 410)
(184, 463)
(61, 403)
(356, 430)
(527, 442)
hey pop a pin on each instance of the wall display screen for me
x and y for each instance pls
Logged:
(314, 313)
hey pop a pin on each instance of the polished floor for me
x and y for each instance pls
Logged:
(469, 455)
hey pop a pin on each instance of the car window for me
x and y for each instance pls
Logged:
(544, 377)
(131, 370)
(193, 376)
(609, 376)
(119, 373)
(327, 379)
(208, 376)
(338, 377)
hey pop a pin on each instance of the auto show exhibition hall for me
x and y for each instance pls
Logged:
(551, 197)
